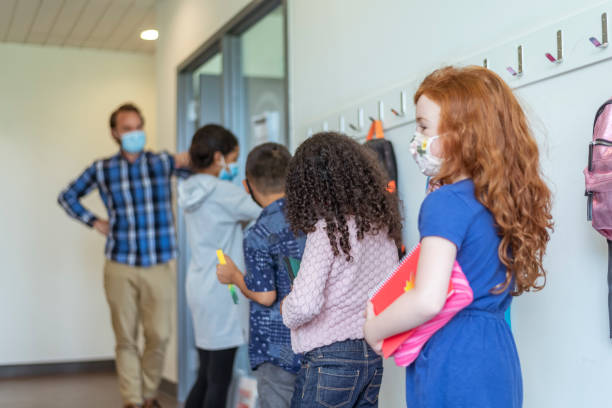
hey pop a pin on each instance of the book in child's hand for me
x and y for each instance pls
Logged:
(293, 266)
(405, 347)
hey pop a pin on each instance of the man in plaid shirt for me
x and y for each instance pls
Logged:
(135, 186)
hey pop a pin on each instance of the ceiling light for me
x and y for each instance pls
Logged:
(149, 35)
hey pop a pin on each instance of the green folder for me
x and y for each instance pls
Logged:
(293, 266)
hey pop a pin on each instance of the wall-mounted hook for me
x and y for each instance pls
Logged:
(309, 132)
(360, 121)
(518, 72)
(325, 126)
(342, 124)
(604, 33)
(485, 63)
(402, 111)
(559, 58)
(381, 112)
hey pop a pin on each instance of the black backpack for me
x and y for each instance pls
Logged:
(385, 152)
(386, 156)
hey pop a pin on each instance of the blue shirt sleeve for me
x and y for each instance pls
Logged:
(444, 214)
(170, 165)
(69, 198)
(260, 273)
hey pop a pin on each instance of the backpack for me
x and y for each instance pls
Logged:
(598, 174)
(386, 156)
(598, 180)
(384, 151)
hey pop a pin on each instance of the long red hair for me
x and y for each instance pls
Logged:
(485, 136)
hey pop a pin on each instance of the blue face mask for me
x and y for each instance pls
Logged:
(134, 141)
(230, 174)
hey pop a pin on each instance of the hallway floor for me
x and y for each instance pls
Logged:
(66, 391)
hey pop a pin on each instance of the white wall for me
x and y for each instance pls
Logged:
(562, 332)
(343, 50)
(54, 108)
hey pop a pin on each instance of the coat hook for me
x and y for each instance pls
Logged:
(381, 110)
(604, 33)
(559, 58)
(360, 121)
(309, 133)
(342, 124)
(485, 63)
(325, 126)
(519, 72)
(402, 111)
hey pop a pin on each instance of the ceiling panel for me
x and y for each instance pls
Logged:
(133, 42)
(90, 18)
(110, 21)
(23, 17)
(7, 9)
(132, 18)
(67, 18)
(109, 24)
(45, 20)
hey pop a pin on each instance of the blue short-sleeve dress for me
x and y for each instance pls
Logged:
(472, 361)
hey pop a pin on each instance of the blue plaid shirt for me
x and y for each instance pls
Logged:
(265, 244)
(138, 198)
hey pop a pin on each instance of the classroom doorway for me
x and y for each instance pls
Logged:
(238, 78)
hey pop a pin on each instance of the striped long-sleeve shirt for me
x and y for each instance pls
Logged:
(138, 198)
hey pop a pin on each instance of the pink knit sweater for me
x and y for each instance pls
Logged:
(329, 296)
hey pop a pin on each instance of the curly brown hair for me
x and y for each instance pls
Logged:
(333, 178)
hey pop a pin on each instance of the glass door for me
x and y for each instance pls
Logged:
(264, 80)
(236, 79)
(200, 101)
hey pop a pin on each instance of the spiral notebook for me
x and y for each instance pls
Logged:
(398, 282)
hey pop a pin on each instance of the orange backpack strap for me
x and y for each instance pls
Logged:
(376, 129)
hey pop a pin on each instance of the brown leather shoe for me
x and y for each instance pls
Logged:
(152, 403)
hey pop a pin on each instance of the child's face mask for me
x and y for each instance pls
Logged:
(228, 171)
(420, 147)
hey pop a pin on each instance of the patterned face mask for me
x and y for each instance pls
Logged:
(420, 147)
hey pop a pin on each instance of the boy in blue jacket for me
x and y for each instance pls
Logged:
(267, 246)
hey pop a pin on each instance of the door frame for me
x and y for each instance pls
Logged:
(227, 41)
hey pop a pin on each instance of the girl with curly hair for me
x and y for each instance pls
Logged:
(491, 211)
(336, 194)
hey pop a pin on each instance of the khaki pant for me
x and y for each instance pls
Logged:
(139, 295)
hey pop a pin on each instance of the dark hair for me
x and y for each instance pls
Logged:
(206, 141)
(126, 107)
(332, 177)
(266, 167)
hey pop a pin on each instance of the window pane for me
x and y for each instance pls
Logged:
(263, 71)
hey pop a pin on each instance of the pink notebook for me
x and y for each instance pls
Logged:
(406, 346)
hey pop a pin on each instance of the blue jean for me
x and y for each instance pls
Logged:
(343, 374)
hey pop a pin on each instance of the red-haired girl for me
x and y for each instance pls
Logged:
(490, 210)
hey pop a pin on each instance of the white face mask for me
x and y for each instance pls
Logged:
(420, 147)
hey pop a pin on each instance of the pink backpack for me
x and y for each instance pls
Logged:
(598, 180)
(598, 174)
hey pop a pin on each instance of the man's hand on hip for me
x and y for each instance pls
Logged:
(102, 227)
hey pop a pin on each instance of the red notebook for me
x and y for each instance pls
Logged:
(401, 280)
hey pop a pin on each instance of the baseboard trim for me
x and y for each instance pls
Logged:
(78, 367)
(169, 388)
